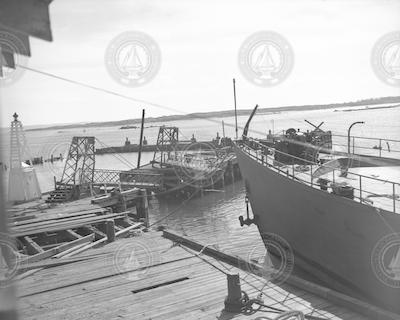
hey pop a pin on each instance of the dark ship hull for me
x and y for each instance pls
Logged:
(332, 237)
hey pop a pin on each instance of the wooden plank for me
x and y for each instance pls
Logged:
(70, 224)
(103, 240)
(96, 231)
(32, 246)
(23, 45)
(56, 250)
(72, 234)
(64, 253)
(333, 296)
(55, 215)
(30, 17)
(52, 263)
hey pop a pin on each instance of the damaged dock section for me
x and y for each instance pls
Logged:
(162, 276)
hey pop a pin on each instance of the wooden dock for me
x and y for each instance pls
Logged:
(44, 230)
(151, 277)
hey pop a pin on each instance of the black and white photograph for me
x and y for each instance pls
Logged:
(222, 159)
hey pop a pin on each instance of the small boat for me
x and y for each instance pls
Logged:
(338, 211)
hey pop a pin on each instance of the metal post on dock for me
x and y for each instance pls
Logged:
(380, 147)
(360, 189)
(142, 207)
(223, 128)
(234, 97)
(311, 175)
(110, 230)
(233, 300)
(141, 140)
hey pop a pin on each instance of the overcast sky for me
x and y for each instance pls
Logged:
(199, 42)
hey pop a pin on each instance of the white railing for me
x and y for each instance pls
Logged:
(265, 155)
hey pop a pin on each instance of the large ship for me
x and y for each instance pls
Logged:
(338, 211)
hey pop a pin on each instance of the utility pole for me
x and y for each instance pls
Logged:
(141, 140)
(234, 97)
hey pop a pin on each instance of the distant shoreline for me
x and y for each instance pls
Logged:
(228, 113)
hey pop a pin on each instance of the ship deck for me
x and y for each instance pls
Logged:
(375, 186)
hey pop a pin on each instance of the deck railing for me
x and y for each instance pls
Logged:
(265, 155)
(371, 146)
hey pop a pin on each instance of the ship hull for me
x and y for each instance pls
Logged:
(333, 238)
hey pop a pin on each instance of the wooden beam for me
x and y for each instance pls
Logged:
(20, 41)
(103, 240)
(64, 225)
(52, 263)
(33, 247)
(6, 59)
(30, 17)
(61, 248)
(331, 295)
(96, 231)
(110, 229)
(72, 234)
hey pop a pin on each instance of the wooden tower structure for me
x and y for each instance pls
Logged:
(22, 183)
(168, 138)
(77, 176)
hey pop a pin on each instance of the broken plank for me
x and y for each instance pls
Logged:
(72, 234)
(103, 240)
(52, 252)
(32, 246)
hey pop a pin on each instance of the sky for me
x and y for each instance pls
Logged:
(199, 42)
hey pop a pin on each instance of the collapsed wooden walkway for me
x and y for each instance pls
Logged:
(44, 231)
(151, 277)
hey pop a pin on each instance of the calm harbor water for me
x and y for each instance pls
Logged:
(217, 211)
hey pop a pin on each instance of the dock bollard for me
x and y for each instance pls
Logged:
(110, 230)
(233, 300)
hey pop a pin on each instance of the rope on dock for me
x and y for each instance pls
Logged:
(248, 309)
(247, 303)
(203, 259)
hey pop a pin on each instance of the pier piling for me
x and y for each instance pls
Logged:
(110, 230)
(232, 301)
